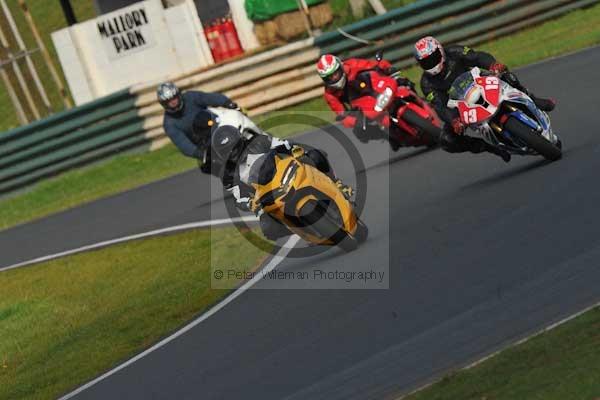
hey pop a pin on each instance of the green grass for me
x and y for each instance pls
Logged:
(571, 32)
(66, 321)
(561, 364)
(343, 13)
(48, 17)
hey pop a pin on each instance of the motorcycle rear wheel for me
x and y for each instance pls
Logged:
(533, 140)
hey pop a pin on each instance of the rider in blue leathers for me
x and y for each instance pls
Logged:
(181, 110)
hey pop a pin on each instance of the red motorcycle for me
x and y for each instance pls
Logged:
(394, 110)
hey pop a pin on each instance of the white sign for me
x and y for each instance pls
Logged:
(140, 43)
(124, 33)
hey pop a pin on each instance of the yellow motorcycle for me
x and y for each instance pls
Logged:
(308, 202)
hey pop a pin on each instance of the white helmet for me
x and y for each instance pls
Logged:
(430, 55)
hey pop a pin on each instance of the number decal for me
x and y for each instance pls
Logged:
(470, 116)
(491, 83)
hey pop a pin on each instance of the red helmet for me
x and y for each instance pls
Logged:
(331, 70)
(430, 55)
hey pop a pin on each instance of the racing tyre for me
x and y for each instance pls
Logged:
(362, 232)
(430, 132)
(316, 214)
(533, 140)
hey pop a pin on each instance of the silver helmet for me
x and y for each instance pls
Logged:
(169, 96)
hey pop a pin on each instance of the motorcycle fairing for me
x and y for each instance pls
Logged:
(295, 183)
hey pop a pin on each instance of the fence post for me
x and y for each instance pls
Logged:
(40, 43)
(19, 74)
(30, 66)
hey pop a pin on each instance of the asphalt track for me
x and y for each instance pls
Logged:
(480, 254)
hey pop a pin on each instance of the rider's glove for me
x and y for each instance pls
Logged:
(349, 121)
(280, 144)
(457, 126)
(206, 167)
(232, 105)
(498, 68)
(242, 203)
(390, 71)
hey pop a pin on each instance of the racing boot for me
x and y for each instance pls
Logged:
(394, 145)
(477, 145)
(500, 152)
(346, 190)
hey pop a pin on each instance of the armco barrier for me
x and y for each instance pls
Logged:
(262, 82)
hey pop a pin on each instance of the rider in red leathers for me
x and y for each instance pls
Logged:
(338, 77)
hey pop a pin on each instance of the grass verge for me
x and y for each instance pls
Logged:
(576, 30)
(343, 13)
(563, 363)
(65, 321)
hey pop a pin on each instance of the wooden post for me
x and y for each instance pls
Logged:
(377, 6)
(358, 8)
(19, 74)
(13, 96)
(31, 67)
(47, 58)
(68, 11)
(303, 7)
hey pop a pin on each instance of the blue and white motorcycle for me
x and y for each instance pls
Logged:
(503, 116)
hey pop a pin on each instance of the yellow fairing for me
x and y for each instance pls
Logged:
(307, 182)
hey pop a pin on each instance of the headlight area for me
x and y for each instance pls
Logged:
(289, 175)
(383, 100)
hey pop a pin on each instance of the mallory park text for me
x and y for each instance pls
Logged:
(124, 30)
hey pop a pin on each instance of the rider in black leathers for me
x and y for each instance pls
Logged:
(442, 65)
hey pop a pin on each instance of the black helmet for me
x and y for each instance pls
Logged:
(205, 122)
(227, 143)
(167, 92)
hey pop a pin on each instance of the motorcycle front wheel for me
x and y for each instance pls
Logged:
(316, 215)
(533, 139)
(430, 132)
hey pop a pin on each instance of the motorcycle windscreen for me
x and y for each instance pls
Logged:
(461, 86)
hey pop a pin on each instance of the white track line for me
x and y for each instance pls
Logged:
(280, 256)
(192, 225)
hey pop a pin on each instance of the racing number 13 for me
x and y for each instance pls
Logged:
(491, 83)
(470, 116)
